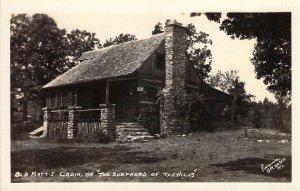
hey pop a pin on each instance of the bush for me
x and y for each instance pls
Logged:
(19, 131)
(104, 137)
(268, 115)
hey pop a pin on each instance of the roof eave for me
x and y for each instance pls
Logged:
(115, 78)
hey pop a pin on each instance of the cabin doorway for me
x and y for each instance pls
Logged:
(121, 93)
(124, 95)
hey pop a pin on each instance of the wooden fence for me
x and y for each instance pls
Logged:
(58, 123)
(87, 123)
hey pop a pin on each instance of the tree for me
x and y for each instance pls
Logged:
(256, 115)
(19, 30)
(119, 39)
(242, 99)
(158, 28)
(272, 51)
(270, 115)
(40, 51)
(35, 43)
(80, 42)
(197, 48)
(230, 83)
(224, 81)
(198, 52)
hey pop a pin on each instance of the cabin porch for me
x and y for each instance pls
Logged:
(84, 110)
(89, 96)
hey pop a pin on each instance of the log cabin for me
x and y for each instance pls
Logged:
(119, 87)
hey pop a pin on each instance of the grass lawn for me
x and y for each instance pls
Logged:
(201, 157)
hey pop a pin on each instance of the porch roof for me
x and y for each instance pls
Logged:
(114, 61)
(211, 93)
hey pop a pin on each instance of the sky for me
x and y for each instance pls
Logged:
(108, 20)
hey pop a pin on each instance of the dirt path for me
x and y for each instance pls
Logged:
(203, 157)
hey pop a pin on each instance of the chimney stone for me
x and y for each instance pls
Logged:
(174, 117)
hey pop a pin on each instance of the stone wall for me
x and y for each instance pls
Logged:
(174, 117)
(72, 123)
(107, 120)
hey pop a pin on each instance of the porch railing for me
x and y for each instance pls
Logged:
(86, 122)
(58, 123)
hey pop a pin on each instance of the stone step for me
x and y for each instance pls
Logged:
(129, 125)
(127, 129)
(132, 132)
(143, 138)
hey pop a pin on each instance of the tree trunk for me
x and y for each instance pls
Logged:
(25, 110)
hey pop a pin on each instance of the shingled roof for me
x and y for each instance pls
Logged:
(211, 93)
(114, 61)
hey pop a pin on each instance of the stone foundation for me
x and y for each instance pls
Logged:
(175, 113)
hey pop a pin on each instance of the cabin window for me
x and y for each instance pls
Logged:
(161, 61)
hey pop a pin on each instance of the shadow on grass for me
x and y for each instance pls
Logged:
(253, 166)
(77, 157)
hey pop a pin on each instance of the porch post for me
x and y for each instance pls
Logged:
(107, 93)
(75, 97)
(46, 119)
(107, 120)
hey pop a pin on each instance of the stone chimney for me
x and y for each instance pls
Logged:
(174, 118)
